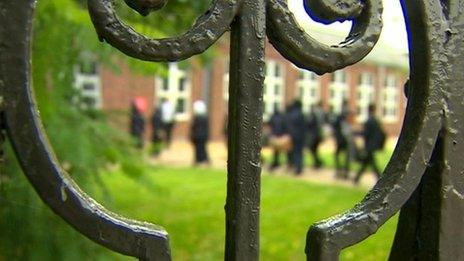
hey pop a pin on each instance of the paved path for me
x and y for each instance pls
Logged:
(180, 153)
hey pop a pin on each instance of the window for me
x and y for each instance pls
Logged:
(390, 100)
(87, 68)
(339, 77)
(309, 89)
(182, 84)
(277, 70)
(176, 88)
(273, 88)
(165, 84)
(390, 81)
(338, 90)
(88, 83)
(225, 81)
(273, 96)
(366, 79)
(180, 105)
(88, 86)
(365, 95)
(277, 89)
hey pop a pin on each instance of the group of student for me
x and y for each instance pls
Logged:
(288, 132)
(162, 123)
(291, 131)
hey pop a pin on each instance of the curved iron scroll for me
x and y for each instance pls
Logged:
(206, 30)
(431, 110)
(432, 26)
(304, 51)
(35, 155)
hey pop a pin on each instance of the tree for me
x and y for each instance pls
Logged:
(85, 145)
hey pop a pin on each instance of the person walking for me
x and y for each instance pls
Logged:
(297, 131)
(288, 110)
(374, 140)
(137, 125)
(343, 138)
(278, 127)
(157, 129)
(199, 132)
(315, 124)
(167, 118)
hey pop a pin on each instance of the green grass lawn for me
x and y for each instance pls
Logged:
(189, 203)
(382, 158)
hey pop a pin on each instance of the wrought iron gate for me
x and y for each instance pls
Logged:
(424, 176)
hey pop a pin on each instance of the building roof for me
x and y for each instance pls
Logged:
(383, 53)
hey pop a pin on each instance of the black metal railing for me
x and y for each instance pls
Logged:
(426, 162)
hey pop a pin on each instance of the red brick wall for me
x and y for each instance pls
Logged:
(291, 76)
(395, 128)
(218, 105)
(120, 89)
(325, 83)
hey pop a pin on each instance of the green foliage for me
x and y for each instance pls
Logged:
(30, 231)
(84, 143)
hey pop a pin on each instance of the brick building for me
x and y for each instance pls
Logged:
(378, 79)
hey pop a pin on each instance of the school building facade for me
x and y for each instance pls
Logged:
(378, 79)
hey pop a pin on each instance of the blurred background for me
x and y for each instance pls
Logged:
(148, 140)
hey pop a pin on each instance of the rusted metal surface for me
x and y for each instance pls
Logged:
(424, 176)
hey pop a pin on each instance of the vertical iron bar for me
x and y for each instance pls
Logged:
(451, 237)
(417, 234)
(436, 216)
(244, 127)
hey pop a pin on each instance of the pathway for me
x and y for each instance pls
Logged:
(180, 153)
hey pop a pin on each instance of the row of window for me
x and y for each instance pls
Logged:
(308, 91)
(365, 95)
(88, 83)
(177, 89)
(365, 79)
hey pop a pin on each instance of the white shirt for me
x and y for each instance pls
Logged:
(167, 112)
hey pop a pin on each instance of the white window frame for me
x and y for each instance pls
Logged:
(81, 79)
(309, 89)
(390, 99)
(338, 90)
(225, 82)
(365, 95)
(172, 93)
(269, 96)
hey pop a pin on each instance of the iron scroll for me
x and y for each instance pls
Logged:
(434, 106)
(293, 43)
(55, 187)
